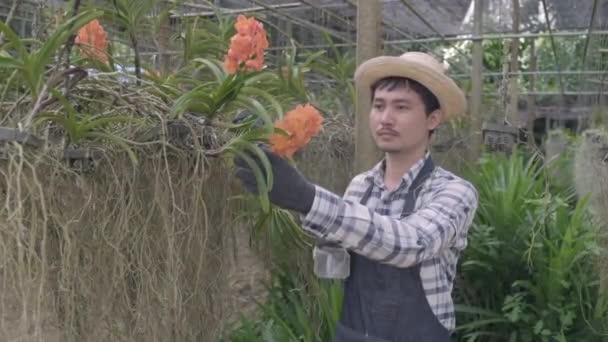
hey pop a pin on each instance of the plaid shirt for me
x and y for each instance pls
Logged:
(433, 235)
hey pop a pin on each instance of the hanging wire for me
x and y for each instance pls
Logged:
(303, 22)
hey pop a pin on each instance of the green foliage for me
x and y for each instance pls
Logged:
(529, 271)
(337, 67)
(292, 74)
(131, 16)
(80, 127)
(323, 78)
(294, 311)
(32, 62)
(207, 38)
(226, 93)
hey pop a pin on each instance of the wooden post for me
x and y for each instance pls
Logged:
(513, 91)
(164, 35)
(369, 38)
(531, 98)
(477, 81)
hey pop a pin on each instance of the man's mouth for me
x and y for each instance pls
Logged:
(387, 133)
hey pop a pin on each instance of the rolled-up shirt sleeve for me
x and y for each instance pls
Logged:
(404, 242)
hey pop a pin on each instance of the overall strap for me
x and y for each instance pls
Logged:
(415, 187)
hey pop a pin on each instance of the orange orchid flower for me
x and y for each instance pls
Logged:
(246, 51)
(301, 124)
(92, 40)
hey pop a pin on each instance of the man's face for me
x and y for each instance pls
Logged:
(398, 120)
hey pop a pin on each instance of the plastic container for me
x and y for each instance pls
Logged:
(331, 261)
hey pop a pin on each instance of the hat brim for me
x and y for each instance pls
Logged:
(451, 99)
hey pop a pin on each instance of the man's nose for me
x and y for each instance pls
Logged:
(386, 117)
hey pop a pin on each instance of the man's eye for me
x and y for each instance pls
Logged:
(378, 106)
(402, 108)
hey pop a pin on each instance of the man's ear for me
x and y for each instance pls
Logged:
(433, 120)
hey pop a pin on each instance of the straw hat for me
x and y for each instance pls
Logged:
(420, 67)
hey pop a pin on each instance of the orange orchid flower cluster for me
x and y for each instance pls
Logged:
(301, 123)
(92, 40)
(246, 52)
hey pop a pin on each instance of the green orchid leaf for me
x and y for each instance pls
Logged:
(219, 74)
(251, 91)
(262, 188)
(13, 38)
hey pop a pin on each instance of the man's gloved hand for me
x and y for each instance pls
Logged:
(290, 190)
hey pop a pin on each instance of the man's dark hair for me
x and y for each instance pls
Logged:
(391, 83)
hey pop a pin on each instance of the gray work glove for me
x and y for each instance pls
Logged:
(291, 190)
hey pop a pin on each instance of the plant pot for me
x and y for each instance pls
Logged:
(185, 133)
(9, 135)
(82, 159)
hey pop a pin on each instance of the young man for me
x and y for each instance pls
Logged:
(405, 221)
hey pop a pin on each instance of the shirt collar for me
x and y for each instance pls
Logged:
(376, 174)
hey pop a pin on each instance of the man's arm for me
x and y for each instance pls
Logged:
(402, 243)
(348, 195)
(421, 236)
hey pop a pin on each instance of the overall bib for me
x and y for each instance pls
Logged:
(383, 303)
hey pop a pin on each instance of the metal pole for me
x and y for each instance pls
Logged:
(210, 13)
(538, 73)
(466, 37)
(477, 81)
(369, 14)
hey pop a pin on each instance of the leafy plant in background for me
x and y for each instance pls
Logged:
(528, 272)
(317, 77)
(294, 311)
(291, 82)
(81, 127)
(131, 16)
(338, 67)
(31, 59)
(207, 38)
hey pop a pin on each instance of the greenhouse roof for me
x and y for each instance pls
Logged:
(403, 20)
(422, 18)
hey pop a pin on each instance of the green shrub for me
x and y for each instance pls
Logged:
(528, 273)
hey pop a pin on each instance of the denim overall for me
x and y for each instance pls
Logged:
(384, 303)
